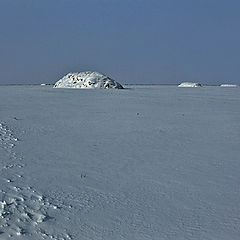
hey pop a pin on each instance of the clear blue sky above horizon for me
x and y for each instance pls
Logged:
(132, 41)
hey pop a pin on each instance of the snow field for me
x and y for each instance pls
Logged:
(148, 162)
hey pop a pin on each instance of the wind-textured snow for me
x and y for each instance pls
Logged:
(148, 162)
(189, 84)
(87, 80)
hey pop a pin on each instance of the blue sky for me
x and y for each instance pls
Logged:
(132, 41)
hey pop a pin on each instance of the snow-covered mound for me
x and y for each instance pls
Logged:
(228, 85)
(189, 84)
(87, 80)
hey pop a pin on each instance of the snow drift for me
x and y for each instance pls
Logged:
(87, 80)
(189, 84)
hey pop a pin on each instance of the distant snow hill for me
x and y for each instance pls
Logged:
(87, 80)
(189, 84)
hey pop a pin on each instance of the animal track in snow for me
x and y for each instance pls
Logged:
(23, 211)
(7, 139)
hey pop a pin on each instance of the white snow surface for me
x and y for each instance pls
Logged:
(189, 84)
(148, 162)
(87, 80)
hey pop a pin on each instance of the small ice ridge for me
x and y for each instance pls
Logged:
(228, 85)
